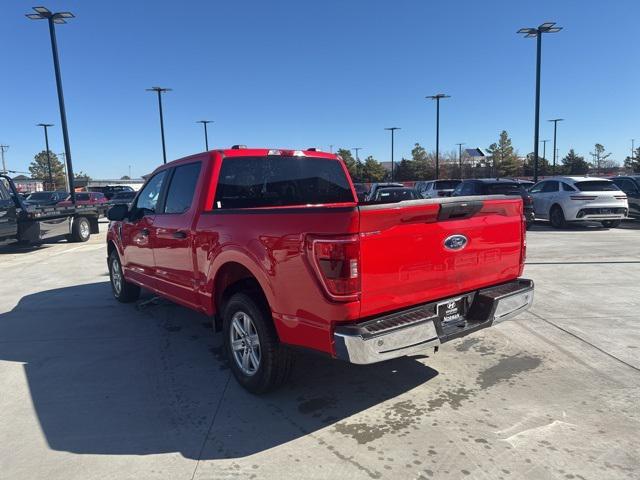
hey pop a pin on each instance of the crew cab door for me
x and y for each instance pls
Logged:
(174, 236)
(138, 231)
(8, 215)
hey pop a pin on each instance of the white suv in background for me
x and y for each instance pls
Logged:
(574, 199)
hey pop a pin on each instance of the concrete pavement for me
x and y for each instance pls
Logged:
(94, 389)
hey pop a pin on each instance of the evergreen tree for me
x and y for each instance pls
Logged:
(505, 159)
(423, 164)
(352, 165)
(574, 164)
(39, 170)
(372, 170)
(633, 163)
(405, 170)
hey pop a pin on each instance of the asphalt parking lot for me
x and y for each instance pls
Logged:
(90, 388)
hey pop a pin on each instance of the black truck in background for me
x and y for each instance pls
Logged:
(27, 224)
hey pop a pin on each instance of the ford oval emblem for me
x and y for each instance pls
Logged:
(455, 242)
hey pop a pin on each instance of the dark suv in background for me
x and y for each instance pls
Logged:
(630, 184)
(497, 186)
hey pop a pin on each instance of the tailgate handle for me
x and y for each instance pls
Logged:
(459, 210)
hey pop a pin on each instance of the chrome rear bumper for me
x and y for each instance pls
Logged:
(413, 330)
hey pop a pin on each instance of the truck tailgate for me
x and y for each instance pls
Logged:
(406, 258)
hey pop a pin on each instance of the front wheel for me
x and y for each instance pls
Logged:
(124, 291)
(257, 358)
(611, 223)
(556, 216)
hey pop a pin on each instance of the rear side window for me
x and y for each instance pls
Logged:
(567, 188)
(182, 187)
(250, 182)
(596, 186)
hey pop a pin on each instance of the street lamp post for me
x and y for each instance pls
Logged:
(437, 99)
(547, 27)
(555, 134)
(392, 130)
(42, 13)
(45, 126)
(160, 91)
(460, 156)
(544, 149)
(3, 148)
(357, 149)
(206, 136)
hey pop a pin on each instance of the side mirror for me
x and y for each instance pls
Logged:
(118, 213)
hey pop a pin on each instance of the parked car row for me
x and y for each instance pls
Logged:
(559, 200)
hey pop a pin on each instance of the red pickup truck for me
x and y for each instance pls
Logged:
(274, 245)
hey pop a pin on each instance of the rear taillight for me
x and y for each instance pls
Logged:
(337, 264)
(583, 197)
(523, 245)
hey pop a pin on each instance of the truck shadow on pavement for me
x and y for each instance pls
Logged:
(150, 378)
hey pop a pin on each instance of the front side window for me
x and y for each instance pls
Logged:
(182, 187)
(626, 185)
(551, 186)
(148, 198)
(250, 182)
(537, 188)
(468, 188)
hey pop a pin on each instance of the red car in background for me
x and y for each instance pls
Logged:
(96, 199)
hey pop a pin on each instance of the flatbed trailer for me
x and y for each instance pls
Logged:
(28, 224)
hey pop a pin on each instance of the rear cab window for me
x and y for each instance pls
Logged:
(277, 181)
(504, 189)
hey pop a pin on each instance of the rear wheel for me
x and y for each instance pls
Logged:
(257, 358)
(124, 291)
(80, 230)
(611, 223)
(556, 216)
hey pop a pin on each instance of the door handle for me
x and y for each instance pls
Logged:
(179, 234)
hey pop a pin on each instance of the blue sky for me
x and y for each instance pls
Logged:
(301, 73)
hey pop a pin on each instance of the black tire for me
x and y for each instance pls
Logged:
(80, 230)
(611, 223)
(274, 359)
(556, 216)
(124, 291)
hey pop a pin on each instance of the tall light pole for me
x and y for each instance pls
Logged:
(43, 13)
(544, 149)
(357, 149)
(460, 156)
(437, 99)
(3, 148)
(547, 27)
(392, 130)
(45, 126)
(160, 91)
(206, 136)
(633, 150)
(555, 134)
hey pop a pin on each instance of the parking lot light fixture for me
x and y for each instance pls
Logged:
(555, 133)
(206, 136)
(160, 91)
(45, 126)
(547, 27)
(358, 165)
(43, 13)
(392, 130)
(437, 98)
(460, 156)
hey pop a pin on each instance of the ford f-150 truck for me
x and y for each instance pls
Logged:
(274, 245)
